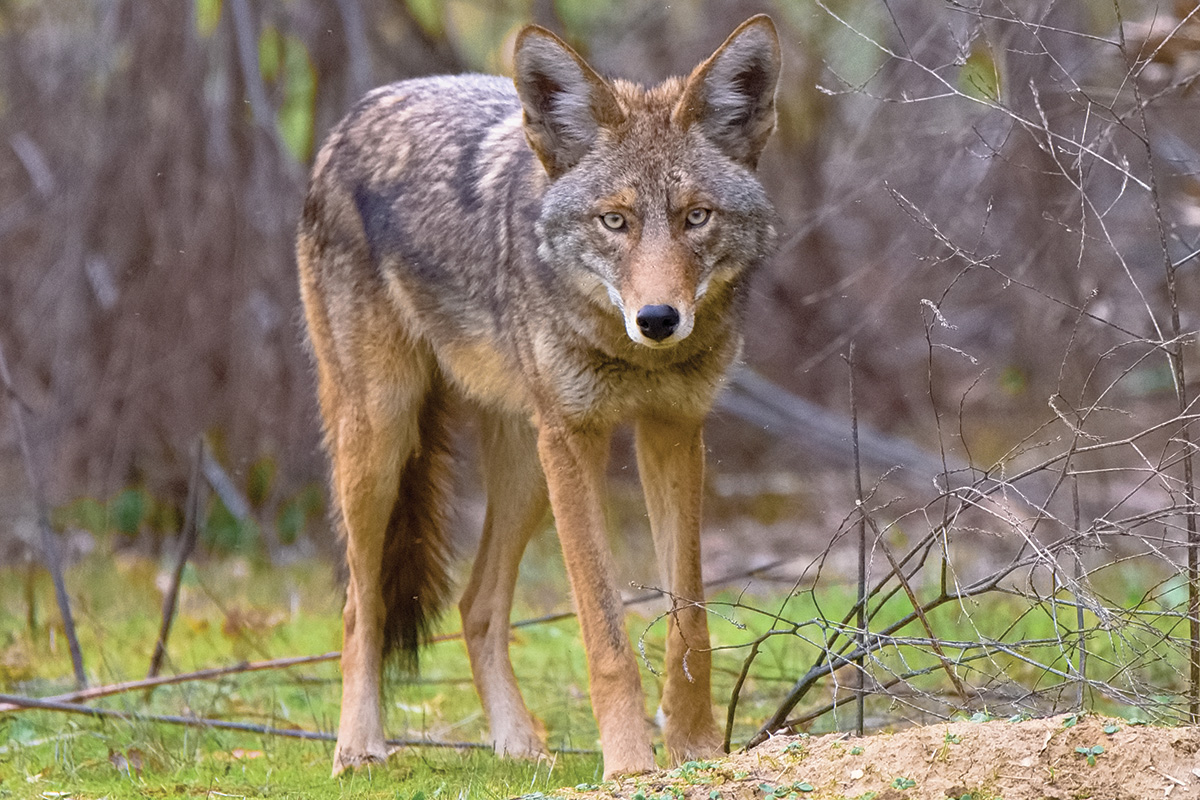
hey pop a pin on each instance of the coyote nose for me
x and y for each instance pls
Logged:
(657, 322)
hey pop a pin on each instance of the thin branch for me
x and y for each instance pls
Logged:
(96, 692)
(50, 551)
(736, 693)
(122, 687)
(1178, 374)
(186, 544)
(241, 727)
(860, 697)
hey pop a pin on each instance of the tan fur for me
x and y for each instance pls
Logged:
(558, 260)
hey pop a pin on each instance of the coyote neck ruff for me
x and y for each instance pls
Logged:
(565, 257)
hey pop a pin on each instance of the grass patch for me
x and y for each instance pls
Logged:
(234, 610)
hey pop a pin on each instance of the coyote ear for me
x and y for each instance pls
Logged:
(565, 101)
(731, 96)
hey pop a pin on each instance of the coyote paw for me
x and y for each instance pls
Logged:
(520, 741)
(625, 769)
(696, 745)
(531, 749)
(346, 758)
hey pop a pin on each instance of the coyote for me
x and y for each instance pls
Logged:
(556, 260)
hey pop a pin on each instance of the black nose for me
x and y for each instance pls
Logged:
(657, 322)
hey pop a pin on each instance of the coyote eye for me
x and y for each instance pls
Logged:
(697, 217)
(613, 221)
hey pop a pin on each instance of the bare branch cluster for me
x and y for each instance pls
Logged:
(1053, 259)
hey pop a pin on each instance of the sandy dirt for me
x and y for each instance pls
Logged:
(1025, 760)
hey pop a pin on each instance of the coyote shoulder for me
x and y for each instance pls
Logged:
(557, 260)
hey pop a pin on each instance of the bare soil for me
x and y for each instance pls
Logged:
(1037, 759)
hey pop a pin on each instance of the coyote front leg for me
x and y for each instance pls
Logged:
(574, 463)
(670, 457)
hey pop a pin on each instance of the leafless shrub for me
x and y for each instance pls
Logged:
(1047, 253)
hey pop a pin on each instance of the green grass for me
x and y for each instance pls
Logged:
(234, 610)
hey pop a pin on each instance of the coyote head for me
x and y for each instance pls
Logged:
(653, 201)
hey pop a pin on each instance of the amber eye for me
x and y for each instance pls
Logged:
(697, 217)
(613, 221)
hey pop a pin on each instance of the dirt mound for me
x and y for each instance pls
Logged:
(1059, 758)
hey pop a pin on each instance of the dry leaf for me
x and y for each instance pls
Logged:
(118, 760)
(239, 753)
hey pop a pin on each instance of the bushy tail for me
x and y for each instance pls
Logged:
(417, 551)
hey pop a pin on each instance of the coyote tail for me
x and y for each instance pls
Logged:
(417, 550)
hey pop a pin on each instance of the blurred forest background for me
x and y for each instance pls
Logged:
(995, 201)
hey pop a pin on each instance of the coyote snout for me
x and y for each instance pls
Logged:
(659, 292)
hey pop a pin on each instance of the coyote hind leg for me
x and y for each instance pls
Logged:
(373, 421)
(516, 507)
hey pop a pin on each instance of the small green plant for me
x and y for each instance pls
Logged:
(786, 790)
(1111, 729)
(903, 783)
(690, 771)
(796, 749)
(1091, 753)
(856, 751)
(953, 738)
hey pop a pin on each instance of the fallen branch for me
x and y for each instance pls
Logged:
(243, 727)
(225, 487)
(96, 692)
